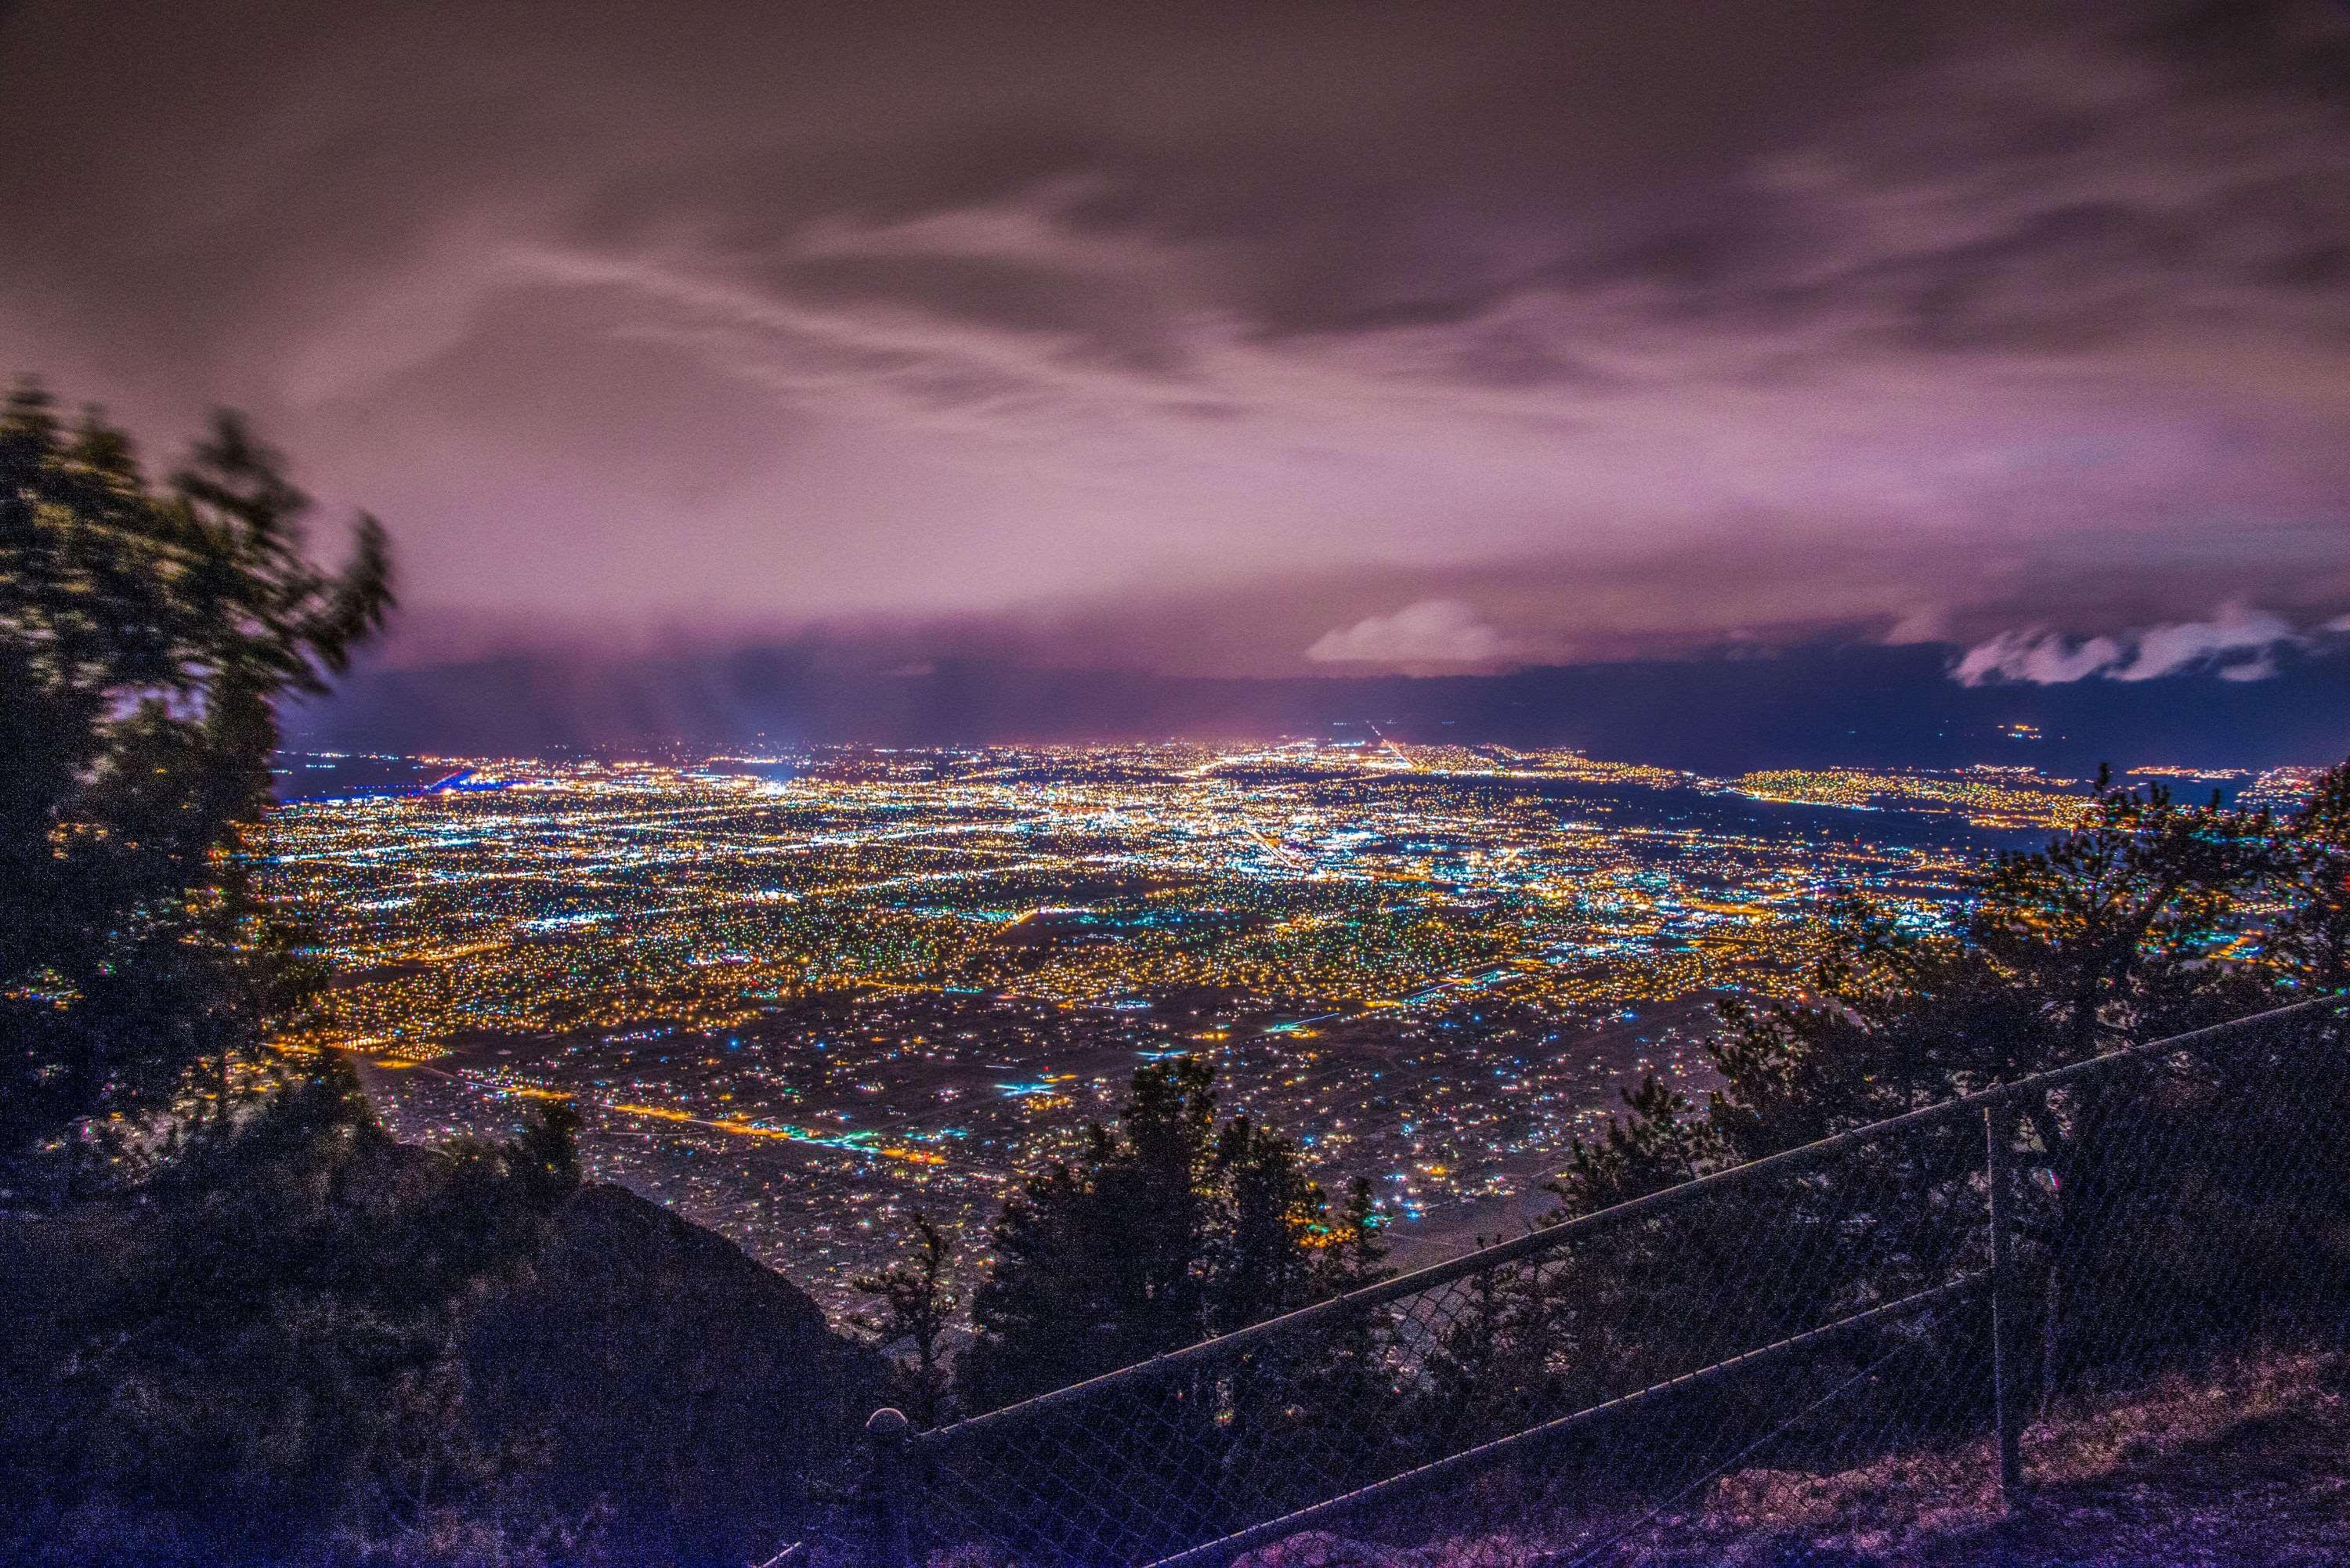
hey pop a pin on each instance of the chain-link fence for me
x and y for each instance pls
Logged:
(1936, 1276)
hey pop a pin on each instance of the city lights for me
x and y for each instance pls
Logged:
(798, 996)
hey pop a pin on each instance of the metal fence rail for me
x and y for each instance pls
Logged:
(1916, 1278)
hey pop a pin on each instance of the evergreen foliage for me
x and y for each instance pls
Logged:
(1167, 1228)
(243, 1325)
(260, 1358)
(2153, 919)
(917, 1304)
(234, 1304)
(2166, 1209)
(146, 632)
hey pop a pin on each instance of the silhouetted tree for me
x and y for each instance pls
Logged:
(918, 1303)
(247, 1346)
(264, 1353)
(1165, 1230)
(1488, 1366)
(1350, 1391)
(1098, 1259)
(2130, 927)
(146, 632)
(2310, 947)
(1268, 1240)
(1659, 1145)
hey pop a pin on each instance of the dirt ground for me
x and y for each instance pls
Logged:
(2245, 1467)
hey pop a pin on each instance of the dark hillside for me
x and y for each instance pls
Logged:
(671, 1379)
(647, 1393)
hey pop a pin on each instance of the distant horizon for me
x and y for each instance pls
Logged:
(1822, 704)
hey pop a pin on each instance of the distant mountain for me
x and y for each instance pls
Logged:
(1809, 706)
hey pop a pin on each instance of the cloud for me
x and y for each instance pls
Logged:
(1432, 633)
(1654, 322)
(2040, 658)
(2241, 641)
(1926, 623)
(2168, 649)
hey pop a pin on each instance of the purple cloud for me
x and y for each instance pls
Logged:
(1431, 635)
(2239, 641)
(1112, 336)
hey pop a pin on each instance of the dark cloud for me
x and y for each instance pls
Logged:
(1802, 706)
(1196, 337)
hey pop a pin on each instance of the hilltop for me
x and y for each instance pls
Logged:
(676, 1383)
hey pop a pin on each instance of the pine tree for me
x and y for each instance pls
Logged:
(1269, 1224)
(1353, 1253)
(146, 633)
(1350, 1390)
(918, 1303)
(2117, 930)
(1167, 1228)
(2309, 948)
(1657, 1144)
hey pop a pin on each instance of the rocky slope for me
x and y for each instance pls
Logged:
(675, 1383)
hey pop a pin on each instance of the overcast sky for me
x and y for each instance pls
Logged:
(1243, 339)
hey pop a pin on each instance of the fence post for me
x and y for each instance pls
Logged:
(2006, 1404)
(888, 1542)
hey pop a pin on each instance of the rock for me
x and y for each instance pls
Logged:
(671, 1379)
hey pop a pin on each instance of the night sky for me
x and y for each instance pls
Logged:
(989, 369)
